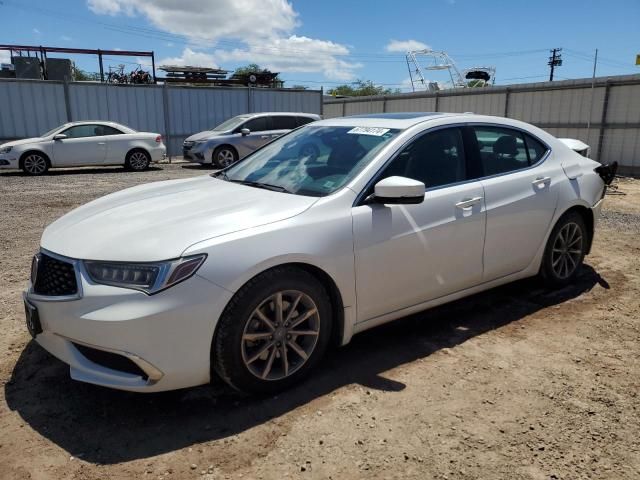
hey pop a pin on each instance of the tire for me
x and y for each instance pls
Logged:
(34, 163)
(260, 356)
(137, 160)
(224, 156)
(565, 250)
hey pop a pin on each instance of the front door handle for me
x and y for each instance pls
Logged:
(468, 202)
(541, 181)
(264, 137)
(102, 143)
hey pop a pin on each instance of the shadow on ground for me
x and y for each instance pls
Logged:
(108, 426)
(55, 172)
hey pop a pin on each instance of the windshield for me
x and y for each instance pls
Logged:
(230, 124)
(51, 132)
(312, 160)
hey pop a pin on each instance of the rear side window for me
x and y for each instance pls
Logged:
(435, 159)
(284, 122)
(259, 124)
(505, 150)
(111, 131)
(535, 149)
(304, 120)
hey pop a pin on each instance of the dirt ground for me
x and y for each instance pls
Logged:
(515, 383)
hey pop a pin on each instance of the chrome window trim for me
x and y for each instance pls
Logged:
(77, 266)
(361, 196)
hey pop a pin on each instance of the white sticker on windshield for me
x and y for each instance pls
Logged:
(375, 131)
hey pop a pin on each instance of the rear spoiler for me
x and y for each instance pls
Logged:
(607, 172)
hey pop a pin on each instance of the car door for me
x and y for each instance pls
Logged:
(83, 145)
(259, 135)
(281, 124)
(520, 195)
(118, 145)
(409, 254)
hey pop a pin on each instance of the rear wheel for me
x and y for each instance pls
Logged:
(137, 160)
(565, 250)
(274, 331)
(34, 163)
(224, 156)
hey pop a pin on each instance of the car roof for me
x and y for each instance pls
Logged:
(398, 120)
(268, 114)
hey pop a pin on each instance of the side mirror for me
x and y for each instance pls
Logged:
(399, 190)
(245, 132)
(60, 136)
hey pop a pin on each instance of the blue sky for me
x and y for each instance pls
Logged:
(323, 43)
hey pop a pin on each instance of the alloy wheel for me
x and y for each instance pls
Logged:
(567, 250)
(225, 157)
(280, 335)
(138, 161)
(35, 164)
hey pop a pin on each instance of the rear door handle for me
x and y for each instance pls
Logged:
(265, 137)
(102, 143)
(541, 181)
(468, 202)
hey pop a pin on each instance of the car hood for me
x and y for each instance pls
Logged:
(158, 221)
(24, 141)
(206, 135)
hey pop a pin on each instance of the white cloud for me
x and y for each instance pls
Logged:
(36, 31)
(405, 46)
(65, 38)
(302, 54)
(208, 19)
(191, 58)
(252, 31)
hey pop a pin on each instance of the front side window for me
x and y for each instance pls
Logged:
(81, 131)
(435, 159)
(304, 120)
(505, 150)
(314, 161)
(259, 124)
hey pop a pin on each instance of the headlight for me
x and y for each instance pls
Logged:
(5, 149)
(149, 278)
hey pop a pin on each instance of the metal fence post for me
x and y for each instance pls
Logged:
(344, 108)
(506, 102)
(384, 104)
(67, 101)
(603, 120)
(437, 101)
(249, 99)
(167, 123)
(321, 100)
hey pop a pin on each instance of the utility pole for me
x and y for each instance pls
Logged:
(555, 60)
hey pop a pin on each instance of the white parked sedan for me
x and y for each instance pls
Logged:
(253, 271)
(84, 144)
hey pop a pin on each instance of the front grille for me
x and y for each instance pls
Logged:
(111, 360)
(53, 277)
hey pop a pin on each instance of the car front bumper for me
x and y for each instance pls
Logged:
(9, 160)
(164, 340)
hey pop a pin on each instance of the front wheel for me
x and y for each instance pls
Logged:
(224, 156)
(274, 331)
(137, 160)
(34, 164)
(565, 250)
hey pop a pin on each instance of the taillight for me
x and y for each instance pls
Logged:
(159, 139)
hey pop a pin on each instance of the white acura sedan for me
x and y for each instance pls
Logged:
(253, 271)
(90, 143)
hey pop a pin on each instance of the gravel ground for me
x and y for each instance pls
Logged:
(514, 383)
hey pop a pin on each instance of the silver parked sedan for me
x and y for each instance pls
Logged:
(241, 135)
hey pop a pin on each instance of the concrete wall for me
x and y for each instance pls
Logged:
(605, 115)
(29, 108)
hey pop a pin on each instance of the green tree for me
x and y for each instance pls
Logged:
(361, 88)
(249, 69)
(84, 76)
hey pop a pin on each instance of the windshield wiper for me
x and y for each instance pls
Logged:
(266, 186)
(221, 174)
